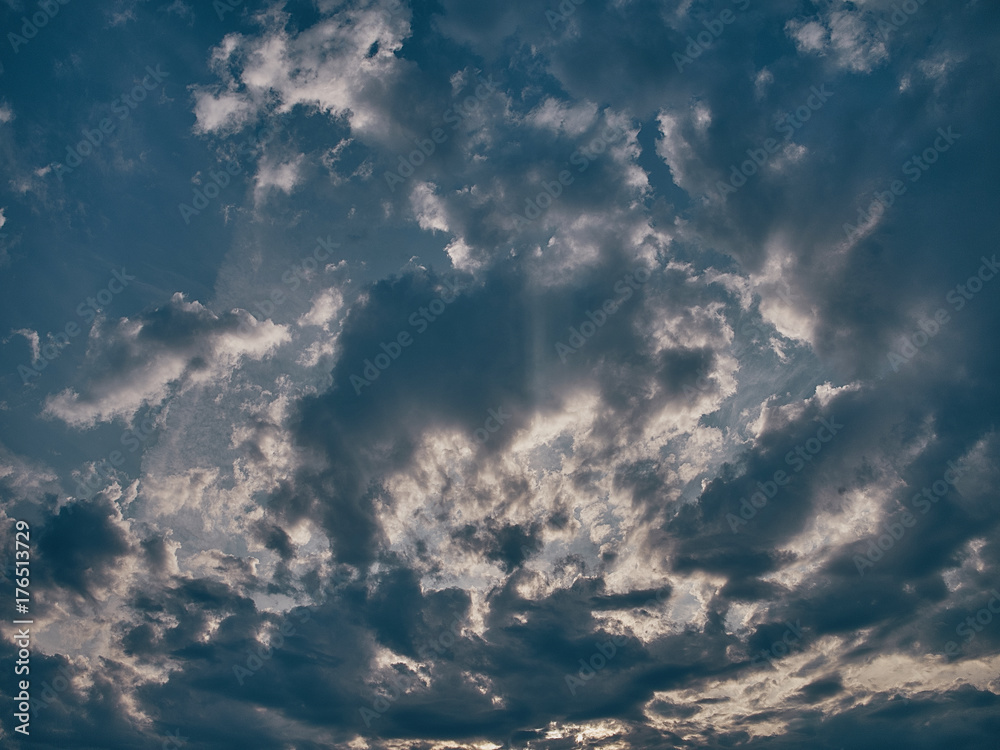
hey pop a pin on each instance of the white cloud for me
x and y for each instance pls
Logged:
(563, 117)
(342, 65)
(178, 347)
(851, 41)
(222, 111)
(277, 175)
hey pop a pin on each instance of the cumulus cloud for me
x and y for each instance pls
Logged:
(140, 361)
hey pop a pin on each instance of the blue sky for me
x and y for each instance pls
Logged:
(440, 375)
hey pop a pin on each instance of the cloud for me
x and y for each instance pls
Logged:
(341, 66)
(847, 36)
(311, 476)
(142, 361)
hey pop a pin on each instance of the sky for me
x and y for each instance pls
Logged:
(539, 375)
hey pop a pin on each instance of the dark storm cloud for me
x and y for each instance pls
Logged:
(472, 356)
(82, 544)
